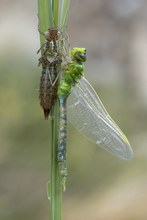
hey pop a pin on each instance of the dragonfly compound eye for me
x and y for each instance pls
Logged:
(80, 56)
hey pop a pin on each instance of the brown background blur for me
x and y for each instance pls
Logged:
(100, 186)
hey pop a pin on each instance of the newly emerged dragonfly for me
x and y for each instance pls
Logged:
(73, 71)
(86, 113)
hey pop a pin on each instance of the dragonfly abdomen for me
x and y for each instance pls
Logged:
(61, 154)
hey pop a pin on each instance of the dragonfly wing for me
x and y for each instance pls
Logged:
(88, 115)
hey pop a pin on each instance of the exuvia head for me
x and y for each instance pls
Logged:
(52, 34)
(78, 54)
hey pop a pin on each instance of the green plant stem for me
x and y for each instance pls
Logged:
(55, 184)
(55, 11)
(45, 17)
(47, 14)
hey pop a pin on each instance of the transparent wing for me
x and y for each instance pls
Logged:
(88, 115)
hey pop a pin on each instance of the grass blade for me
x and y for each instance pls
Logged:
(53, 13)
(64, 6)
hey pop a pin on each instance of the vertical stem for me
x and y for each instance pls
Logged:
(47, 17)
(56, 10)
(55, 184)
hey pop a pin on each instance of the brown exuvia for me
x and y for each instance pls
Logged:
(47, 93)
(51, 63)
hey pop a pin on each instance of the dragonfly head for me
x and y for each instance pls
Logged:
(79, 54)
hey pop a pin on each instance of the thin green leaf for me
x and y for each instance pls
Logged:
(45, 17)
(52, 13)
(55, 11)
(64, 6)
(48, 15)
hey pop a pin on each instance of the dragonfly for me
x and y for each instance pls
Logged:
(50, 60)
(73, 71)
(84, 109)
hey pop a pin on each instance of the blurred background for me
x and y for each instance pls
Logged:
(100, 186)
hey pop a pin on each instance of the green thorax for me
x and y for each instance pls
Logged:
(73, 71)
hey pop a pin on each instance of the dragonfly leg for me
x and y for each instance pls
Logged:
(40, 48)
(56, 78)
(68, 43)
(39, 27)
(54, 63)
